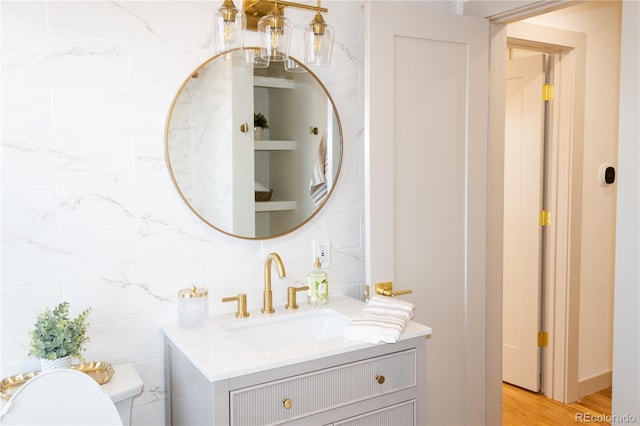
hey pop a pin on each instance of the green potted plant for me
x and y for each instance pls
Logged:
(260, 122)
(56, 337)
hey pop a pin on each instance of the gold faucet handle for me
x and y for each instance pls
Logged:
(386, 289)
(291, 297)
(242, 304)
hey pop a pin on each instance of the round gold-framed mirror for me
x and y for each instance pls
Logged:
(241, 183)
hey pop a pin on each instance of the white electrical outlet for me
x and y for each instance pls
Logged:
(322, 249)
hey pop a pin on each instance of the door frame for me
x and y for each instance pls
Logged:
(562, 243)
(565, 268)
(563, 246)
(627, 343)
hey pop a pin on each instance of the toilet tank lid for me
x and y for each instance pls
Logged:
(124, 384)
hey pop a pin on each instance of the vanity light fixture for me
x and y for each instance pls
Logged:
(267, 17)
(275, 35)
(229, 27)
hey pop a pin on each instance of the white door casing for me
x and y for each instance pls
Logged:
(242, 152)
(426, 184)
(524, 124)
(564, 201)
(566, 163)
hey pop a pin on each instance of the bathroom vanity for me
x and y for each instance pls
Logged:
(293, 367)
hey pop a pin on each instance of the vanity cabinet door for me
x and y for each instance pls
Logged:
(321, 391)
(403, 414)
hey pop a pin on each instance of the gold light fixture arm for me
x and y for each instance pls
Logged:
(248, 5)
(228, 11)
(256, 9)
(318, 24)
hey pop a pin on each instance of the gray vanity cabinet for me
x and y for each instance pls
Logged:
(399, 414)
(373, 386)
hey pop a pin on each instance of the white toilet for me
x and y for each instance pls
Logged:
(69, 397)
(123, 387)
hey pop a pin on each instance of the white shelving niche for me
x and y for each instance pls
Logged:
(278, 156)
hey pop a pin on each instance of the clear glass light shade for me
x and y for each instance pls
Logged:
(275, 37)
(229, 27)
(318, 42)
(290, 65)
(252, 56)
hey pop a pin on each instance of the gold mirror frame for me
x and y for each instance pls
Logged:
(181, 191)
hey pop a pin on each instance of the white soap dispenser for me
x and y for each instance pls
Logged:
(318, 282)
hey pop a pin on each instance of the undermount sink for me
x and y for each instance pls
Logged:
(289, 330)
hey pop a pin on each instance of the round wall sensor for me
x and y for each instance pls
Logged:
(607, 174)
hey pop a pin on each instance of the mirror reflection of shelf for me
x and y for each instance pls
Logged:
(214, 180)
(269, 145)
(272, 206)
(279, 83)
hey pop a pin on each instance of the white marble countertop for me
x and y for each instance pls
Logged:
(218, 355)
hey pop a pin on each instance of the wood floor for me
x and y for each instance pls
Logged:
(524, 408)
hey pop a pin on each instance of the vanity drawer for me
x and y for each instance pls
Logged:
(311, 393)
(403, 414)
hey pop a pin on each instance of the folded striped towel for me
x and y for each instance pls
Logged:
(382, 320)
(318, 184)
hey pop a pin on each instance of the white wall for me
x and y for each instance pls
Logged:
(601, 22)
(89, 213)
(626, 349)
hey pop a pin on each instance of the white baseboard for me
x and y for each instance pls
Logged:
(594, 384)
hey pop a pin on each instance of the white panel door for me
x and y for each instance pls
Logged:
(242, 150)
(426, 184)
(524, 124)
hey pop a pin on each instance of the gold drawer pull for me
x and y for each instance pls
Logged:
(380, 379)
(287, 403)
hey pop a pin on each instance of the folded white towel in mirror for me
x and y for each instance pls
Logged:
(318, 184)
(382, 320)
(261, 187)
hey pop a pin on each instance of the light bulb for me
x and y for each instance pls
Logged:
(229, 33)
(275, 39)
(317, 43)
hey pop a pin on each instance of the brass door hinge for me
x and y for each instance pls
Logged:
(547, 92)
(543, 339)
(545, 217)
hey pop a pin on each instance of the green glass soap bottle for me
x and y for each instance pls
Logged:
(318, 282)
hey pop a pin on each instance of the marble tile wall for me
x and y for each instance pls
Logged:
(89, 213)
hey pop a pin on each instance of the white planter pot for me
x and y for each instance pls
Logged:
(53, 364)
(257, 133)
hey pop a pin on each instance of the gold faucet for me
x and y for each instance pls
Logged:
(267, 305)
(292, 304)
(241, 312)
